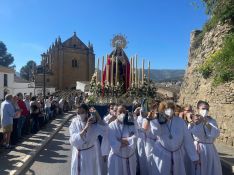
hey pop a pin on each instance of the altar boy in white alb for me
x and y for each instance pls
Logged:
(141, 141)
(84, 131)
(173, 136)
(122, 139)
(205, 130)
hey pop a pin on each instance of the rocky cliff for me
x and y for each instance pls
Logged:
(195, 87)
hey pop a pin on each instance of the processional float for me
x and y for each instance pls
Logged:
(121, 80)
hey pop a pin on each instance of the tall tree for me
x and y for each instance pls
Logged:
(27, 71)
(6, 59)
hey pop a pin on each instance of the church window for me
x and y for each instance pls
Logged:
(75, 63)
(74, 45)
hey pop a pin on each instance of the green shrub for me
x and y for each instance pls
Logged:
(219, 11)
(211, 23)
(224, 10)
(221, 63)
(206, 71)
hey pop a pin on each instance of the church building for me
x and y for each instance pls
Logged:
(66, 63)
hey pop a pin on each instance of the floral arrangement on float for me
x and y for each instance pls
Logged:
(108, 87)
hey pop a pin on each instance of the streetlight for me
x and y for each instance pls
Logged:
(44, 56)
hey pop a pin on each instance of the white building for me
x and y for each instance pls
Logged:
(10, 83)
(83, 86)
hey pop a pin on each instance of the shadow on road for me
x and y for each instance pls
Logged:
(50, 154)
(11, 162)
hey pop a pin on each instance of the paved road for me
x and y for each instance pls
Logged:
(55, 159)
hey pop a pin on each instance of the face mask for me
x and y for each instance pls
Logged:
(169, 112)
(121, 117)
(82, 117)
(162, 119)
(203, 112)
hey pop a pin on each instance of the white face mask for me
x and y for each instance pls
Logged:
(203, 112)
(121, 117)
(169, 112)
(82, 117)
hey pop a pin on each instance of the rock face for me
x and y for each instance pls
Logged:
(195, 87)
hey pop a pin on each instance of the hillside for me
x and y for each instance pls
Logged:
(166, 75)
(160, 75)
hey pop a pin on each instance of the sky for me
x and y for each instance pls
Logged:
(157, 30)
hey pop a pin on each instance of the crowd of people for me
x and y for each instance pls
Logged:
(165, 139)
(22, 115)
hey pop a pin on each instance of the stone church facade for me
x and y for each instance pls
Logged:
(66, 63)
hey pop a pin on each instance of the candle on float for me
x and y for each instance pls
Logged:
(102, 69)
(130, 74)
(97, 78)
(136, 81)
(143, 67)
(107, 77)
(107, 58)
(139, 77)
(107, 70)
(116, 71)
(112, 70)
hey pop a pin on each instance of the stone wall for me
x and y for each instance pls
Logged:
(195, 87)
